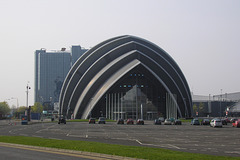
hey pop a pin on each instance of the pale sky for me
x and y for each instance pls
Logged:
(202, 36)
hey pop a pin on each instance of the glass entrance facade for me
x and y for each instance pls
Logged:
(137, 95)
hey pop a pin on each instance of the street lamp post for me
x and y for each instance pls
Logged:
(27, 94)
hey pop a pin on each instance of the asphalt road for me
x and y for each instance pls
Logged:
(21, 153)
(196, 139)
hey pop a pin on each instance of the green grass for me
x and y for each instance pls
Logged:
(120, 150)
(186, 120)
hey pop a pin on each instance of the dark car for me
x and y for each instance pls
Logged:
(178, 122)
(228, 120)
(195, 122)
(140, 122)
(120, 121)
(172, 119)
(224, 122)
(130, 121)
(101, 120)
(157, 122)
(205, 122)
(91, 120)
(61, 120)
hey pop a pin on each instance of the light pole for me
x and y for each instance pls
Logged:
(27, 94)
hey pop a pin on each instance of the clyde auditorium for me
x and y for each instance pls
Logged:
(125, 77)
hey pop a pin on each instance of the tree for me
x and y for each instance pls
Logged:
(21, 110)
(201, 107)
(195, 108)
(37, 108)
(4, 108)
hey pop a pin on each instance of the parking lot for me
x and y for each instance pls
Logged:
(196, 139)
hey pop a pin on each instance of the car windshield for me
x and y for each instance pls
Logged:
(101, 119)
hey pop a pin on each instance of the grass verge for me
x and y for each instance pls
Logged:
(120, 150)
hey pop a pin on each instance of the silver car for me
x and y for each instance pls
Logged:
(216, 123)
(167, 122)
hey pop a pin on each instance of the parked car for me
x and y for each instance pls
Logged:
(224, 122)
(178, 122)
(120, 121)
(130, 121)
(195, 122)
(205, 122)
(157, 122)
(61, 119)
(167, 122)
(172, 119)
(161, 119)
(228, 120)
(101, 120)
(236, 124)
(91, 120)
(216, 123)
(233, 120)
(140, 122)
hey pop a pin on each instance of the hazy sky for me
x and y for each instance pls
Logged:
(202, 36)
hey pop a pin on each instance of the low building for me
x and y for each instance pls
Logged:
(216, 105)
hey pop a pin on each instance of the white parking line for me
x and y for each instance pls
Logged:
(232, 152)
(138, 141)
(174, 146)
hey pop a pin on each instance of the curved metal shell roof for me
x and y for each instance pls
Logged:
(101, 66)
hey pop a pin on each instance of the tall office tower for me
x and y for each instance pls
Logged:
(77, 51)
(51, 68)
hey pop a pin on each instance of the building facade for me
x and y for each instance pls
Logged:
(216, 105)
(51, 68)
(125, 77)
